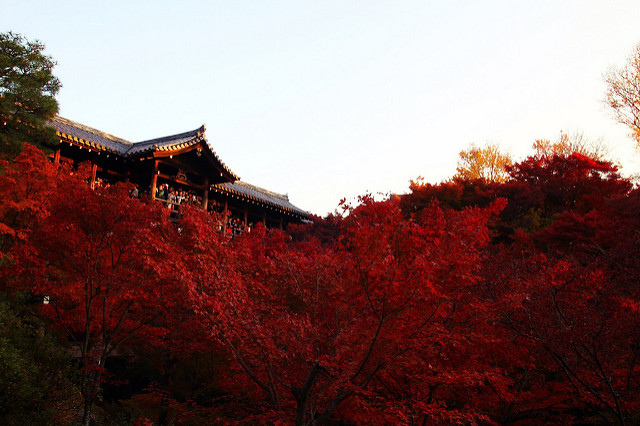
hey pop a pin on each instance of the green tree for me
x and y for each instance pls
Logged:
(27, 94)
(36, 372)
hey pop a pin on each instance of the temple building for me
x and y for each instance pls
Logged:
(183, 165)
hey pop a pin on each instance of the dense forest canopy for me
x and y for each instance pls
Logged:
(507, 297)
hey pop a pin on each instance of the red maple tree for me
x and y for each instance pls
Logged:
(103, 263)
(564, 287)
(27, 184)
(375, 327)
(462, 302)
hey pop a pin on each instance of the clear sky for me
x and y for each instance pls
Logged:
(326, 100)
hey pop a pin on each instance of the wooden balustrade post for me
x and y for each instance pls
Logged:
(205, 196)
(154, 180)
(94, 171)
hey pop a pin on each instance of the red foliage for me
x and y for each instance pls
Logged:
(377, 327)
(27, 184)
(101, 259)
(574, 341)
(561, 183)
(562, 290)
(407, 311)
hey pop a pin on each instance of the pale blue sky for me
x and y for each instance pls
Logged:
(330, 99)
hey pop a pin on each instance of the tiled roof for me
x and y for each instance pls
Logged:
(251, 192)
(88, 136)
(102, 141)
(181, 140)
(176, 142)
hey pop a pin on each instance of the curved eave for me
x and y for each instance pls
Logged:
(223, 189)
(226, 171)
(169, 150)
(164, 148)
(74, 140)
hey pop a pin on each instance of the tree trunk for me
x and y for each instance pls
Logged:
(89, 392)
(302, 395)
(88, 408)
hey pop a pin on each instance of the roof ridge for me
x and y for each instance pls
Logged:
(196, 132)
(128, 149)
(88, 129)
(266, 191)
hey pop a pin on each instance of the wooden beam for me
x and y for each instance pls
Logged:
(94, 170)
(180, 181)
(154, 180)
(205, 195)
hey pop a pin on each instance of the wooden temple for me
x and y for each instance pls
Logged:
(184, 163)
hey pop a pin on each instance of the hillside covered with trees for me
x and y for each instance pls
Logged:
(503, 296)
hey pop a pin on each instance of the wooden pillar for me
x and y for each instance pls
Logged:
(281, 222)
(56, 157)
(205, 196)
(154, 180)
(264, 218)
(246, 215)
(94, 170)
(226, 208)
